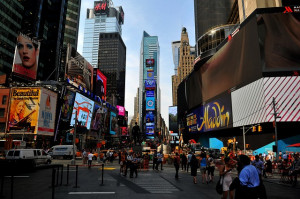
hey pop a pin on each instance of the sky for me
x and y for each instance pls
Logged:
(162, 18)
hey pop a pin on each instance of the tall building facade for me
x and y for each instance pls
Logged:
(149, 90)
(112, 63)
(100, 19)
(184, 55)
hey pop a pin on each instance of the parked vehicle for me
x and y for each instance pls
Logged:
(32, 157)
(64, 151)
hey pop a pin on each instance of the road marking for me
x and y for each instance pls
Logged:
(17, 176)
(108, 168)
(86, 193)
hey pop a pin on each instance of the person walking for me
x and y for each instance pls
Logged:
(84, 157)
(183, 161)
(159, 161)
(133, 166)
(189, 157)
(225, 173)
(128, 163)
(210, 168)
(154, 159)
(203, 164)
(259, 165)
(90, 159)
(176, 164)
(194, 167)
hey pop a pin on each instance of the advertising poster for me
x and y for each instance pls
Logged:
(149, 93)
(150, 84)
(173, 119)
(121, 110)
(26, 57)
(150, 75)
(46, 122)
(84, 107)
(150, 130)
(67, 107)
(23, 111)
(100, 84)
(113, 124)
(124, 131)
(149, 62)
(150, 103)
(79, 72)
(149, 117)
(193, 120)
(97, 120)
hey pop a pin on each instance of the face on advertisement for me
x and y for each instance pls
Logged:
(28, 52)
(17, 112)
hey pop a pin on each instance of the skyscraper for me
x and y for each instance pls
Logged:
(100, 19)
(112, 63)
(149, 90)
(183, 57)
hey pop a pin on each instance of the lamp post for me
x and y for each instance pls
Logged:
(244, 137)
(74, 139)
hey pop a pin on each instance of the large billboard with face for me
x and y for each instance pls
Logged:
(24, 110)
(173, 119)
(47, 112)
(83, 106)
(114, 128)
(150, 103)
(67, 107)
(26, 57)
(79, 72)
(98, 120)
(100, 84)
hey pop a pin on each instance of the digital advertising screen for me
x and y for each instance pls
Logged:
(98, 120)
(149, 62)
(121, 110)
(67, 106)
(47, 112)
(150, 84)
(150, 93)
(79, 72)
(124, 131)
(26, 57)
(84, 107)
(101, 7)
(150, 117)
(194, 120)
(173, 119)
(100, 84)
(24, 110)
(150, 75)
(114, 127)
(150, 130)
(150, 103)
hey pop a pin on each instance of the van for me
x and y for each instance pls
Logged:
(65, 151)
(33, 157)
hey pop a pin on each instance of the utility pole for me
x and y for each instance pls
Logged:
(275, 117)
(74, 139)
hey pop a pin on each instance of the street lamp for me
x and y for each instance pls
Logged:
(74, 139)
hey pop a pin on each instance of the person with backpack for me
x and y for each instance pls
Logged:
(176, 164)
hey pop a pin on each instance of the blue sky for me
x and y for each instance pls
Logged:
(162, 18)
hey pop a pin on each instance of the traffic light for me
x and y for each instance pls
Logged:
(259, 129)
(253, 128)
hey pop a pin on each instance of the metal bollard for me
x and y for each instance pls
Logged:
(68, 166)
(57, 175)
(2, 186)
(61, 175)
(12, 186)
(76, 181)
(53, 182)
(102, 173)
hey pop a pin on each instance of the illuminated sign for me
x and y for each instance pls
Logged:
(121, 110)
(149, 117)
(150, 84)
(100, 84)
(214, 115)
(150, 103)
(149, 93)
(101, 6)
(149, 62)
(150, 130)
(173, 118)
(150, 75)
(113, 124)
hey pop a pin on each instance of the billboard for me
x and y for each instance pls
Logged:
(101, 7)
(100, 84)
(150, 130)
(150, 75)
(214, 115)
(47, 112)
(121, 110)
(149, 62)
(173, 119)
(98, 119)
(150, 103)
(124, 131)
(150, 117)
(113, 124)
(150, 93)
(26, 57)
(84, 107)
(150, 84)
(23, 111)
(67, 107)
(79, 72)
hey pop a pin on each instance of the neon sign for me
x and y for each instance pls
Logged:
(100, 6)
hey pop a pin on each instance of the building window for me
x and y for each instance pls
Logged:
(2, 111)
(4, 99)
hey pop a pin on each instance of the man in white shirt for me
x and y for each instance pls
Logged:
(90, 159)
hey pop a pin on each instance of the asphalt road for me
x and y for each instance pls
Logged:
(148, 184)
